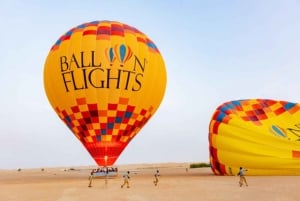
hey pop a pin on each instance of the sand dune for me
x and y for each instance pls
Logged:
(175, 184)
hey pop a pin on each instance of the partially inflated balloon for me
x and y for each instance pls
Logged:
(105, 80)
(258, 134)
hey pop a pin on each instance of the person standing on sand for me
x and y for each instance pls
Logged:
(242, 176)
(156, 175)
(126, 180)
(91, 179)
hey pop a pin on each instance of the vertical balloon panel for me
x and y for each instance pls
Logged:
(105, 80)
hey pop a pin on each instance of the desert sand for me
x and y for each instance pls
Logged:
(176, 183)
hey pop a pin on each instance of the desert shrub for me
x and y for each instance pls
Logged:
(199, 165)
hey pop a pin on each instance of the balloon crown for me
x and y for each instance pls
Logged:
(103, 30)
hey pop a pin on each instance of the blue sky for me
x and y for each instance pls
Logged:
(214, 51)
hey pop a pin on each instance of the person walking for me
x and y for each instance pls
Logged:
(242, 176)
(156, 175)
(91, 178)
(126, 180)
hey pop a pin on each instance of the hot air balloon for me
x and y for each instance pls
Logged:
(261, 135)
(105, 80)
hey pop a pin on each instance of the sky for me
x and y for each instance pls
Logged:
(214, 52)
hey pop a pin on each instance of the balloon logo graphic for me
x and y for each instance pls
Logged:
(105, 80)
(260, 134)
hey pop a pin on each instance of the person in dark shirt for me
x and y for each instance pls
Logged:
(242, 176)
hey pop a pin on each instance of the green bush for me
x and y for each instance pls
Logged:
(199, 165)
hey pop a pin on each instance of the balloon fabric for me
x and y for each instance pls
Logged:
(105, 80)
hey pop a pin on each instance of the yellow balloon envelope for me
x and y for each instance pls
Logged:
(260, 135)
(105, 80)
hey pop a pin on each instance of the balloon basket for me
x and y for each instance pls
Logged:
(104, 172)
